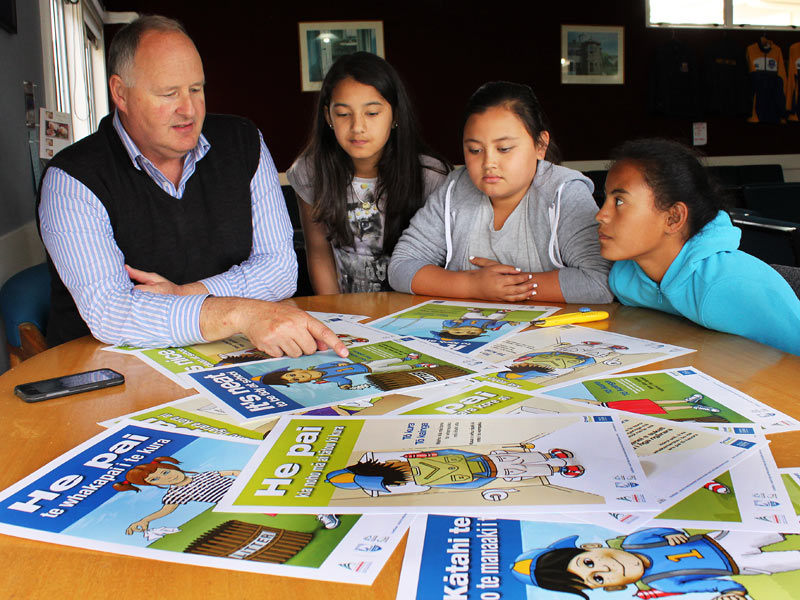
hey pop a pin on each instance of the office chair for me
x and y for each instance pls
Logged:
(303, 280)
(791, 275)
(733, 178)
(771, 240)
(774, 200)
(24, 305)
(752, 174)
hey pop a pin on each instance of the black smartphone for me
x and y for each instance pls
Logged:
(36, 391)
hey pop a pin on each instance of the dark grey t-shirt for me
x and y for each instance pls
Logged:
(362, 266)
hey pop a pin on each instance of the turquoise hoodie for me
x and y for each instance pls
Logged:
(716, 285)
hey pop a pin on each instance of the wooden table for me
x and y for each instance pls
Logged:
(33, 434)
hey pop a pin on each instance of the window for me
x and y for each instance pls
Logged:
(730, 14)
(74, 57)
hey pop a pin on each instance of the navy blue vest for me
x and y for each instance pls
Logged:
(204, 233)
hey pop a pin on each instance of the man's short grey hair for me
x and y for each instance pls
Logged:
(126, 41)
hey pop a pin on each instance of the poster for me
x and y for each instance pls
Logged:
(196, 413)
(283, 385)
(681, 394)
(479, 558)
(237, 349)
(81, 500)
(550, 356)
(791, 479)
(677, 458)
(558, 463)
(462, 326)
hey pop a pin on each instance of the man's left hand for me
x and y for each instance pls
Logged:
(156, 284)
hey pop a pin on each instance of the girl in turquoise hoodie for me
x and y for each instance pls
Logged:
(676, 248)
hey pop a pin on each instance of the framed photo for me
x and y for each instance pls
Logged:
(592, 54)
(322, 43)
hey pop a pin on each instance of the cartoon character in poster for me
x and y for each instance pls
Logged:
(340, 372)
(405, 473)
(471, 325)
(661, 561)
(645, 406)
(182, 486)
(242, 356)
(349, 340)
(563, 359)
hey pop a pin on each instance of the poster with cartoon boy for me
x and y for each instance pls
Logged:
(454, 468)
(460, 326)
(660, 561)
(518, 464)
(558, 560)
(551, 356)
(268, 388)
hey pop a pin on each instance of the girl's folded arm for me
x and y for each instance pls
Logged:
(422, 243)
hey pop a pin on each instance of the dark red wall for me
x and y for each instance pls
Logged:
(444, 50)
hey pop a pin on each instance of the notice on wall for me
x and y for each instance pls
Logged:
(55, 132)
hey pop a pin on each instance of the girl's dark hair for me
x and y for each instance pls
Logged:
(551, 572)
(675, 174)
(519, 99)
(400, 174)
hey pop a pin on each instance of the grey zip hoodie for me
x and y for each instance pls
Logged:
(561, 225)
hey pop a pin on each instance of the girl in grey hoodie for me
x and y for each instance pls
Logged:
(510, 225)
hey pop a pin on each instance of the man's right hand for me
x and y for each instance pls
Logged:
(277, 329)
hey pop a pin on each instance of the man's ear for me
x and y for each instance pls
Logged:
(614, 588)
(677, 216)
(119, 92)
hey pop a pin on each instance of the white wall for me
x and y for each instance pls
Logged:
(789, 162)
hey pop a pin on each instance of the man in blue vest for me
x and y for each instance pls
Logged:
(167, 227)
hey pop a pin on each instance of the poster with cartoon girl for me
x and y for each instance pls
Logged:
(145, 492)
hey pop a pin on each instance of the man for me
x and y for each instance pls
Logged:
(187, 207)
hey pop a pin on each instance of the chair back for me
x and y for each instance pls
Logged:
(303, 279)
(791, 275)
(771, 240)
(25, 305)
(774, 200)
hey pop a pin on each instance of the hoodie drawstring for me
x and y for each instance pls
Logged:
(447, 235)
(553, 212)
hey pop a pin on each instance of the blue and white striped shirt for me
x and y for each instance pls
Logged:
(77, 233)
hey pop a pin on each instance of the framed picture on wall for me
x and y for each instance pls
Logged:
(322, 43)
(592, 54)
